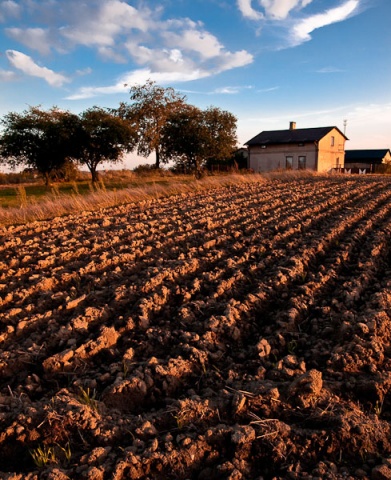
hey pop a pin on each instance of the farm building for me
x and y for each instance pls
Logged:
(320, 149)
(367, 159)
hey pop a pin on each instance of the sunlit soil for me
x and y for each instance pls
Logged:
(237, 333)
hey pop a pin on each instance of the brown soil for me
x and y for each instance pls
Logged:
(239, 333)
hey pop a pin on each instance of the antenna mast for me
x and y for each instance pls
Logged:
(345, 122)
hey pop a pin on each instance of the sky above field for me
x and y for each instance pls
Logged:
(269, 62)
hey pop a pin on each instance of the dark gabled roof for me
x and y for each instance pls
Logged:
(374, 156)
(297, 135)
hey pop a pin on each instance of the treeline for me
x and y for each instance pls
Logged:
(157, 120)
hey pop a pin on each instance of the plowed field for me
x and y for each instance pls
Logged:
(238, 333)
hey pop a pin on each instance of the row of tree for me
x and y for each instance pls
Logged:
(158, 120)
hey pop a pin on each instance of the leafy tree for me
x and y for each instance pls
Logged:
(67, 173)
(184, 138)
(221, 126)
(151, 106)
(38, 139)
(192, 136)
(103, 137)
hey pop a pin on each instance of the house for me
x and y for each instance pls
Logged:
(319, 149)
(369, 160)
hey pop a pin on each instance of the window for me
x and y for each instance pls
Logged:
(289, 163)
(332, 141)
(302, 163)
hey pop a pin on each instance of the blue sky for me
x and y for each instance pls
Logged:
(316, 62)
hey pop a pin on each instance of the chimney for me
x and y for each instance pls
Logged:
(292, 125)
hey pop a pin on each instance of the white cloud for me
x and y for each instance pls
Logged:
(282, 14)
(84, 71)
(168, 67)
(275, 9)
(301, 31)
(99, 23)
(9, 8)
(161, 59)
(7, 75)
(138, 77)
(227, 90)
(228, 60)
(280, 9)
(174, 49)
(199, 41)
(35, 38)
(109, 54)
(29, 67)
(175, 55)
(247, 10)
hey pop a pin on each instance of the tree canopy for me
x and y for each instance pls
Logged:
(158, 120)
(192, 136)
(38, 139)
(102, 137)
(151, 106)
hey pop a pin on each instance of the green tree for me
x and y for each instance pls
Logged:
(38, 139)
(151, 106)
(192, 136)
(103, 137)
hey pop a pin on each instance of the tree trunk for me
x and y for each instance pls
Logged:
(157, 164)
(46, 177)
(94, 175)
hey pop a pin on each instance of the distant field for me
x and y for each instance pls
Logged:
(21, 203)
(12, 196)
(240, 331)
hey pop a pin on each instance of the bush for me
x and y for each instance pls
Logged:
(67, 173)
(17, 178)
(146, 170)
(117, 175)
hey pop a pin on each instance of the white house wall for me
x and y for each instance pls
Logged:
(273, 157)
(331, 156)
(322, 157)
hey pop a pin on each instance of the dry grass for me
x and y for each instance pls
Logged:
(58, 204)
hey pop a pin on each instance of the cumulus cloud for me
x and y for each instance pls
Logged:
(229, 60)
(280, 9)
(99, 23)
(26, 64)
(171, 49)
(275, 9)
(169, 66)
(174, 50)
(196, 40)
(9, 8)
(35, 38)
(248, 11)
(302, 30)
(111, 55)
